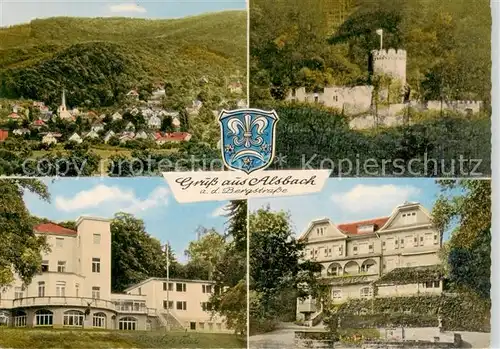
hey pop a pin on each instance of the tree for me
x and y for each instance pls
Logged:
(207, 251)
(135, 255)
(277, 277)
(20, 250)
(464, 206)
(230, 298)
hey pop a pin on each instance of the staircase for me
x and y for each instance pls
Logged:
(169, 321)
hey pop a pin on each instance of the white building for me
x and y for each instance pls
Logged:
(154, 122)
(73, 289)
(357, 257)
(62, 111)
(75, 137)
(49, 138)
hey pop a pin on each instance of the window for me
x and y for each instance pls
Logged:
(180, 287)
(366, 292)
(127, 324)
(335, 98)
(402, 243)
(436, 240)
(355, 249)
(316, 99)
(99, 320)
(219, 326)
(341, 250)
(206, 306)
(77, 289)
(415, 241)
(192, 326)
(409, 217)
(170, 304)
(201, 325)
(96, 265)
(210, 326)
(61, 266)
(18, 292)
(59, 242)
(181, 305)
(370, 248)
(96, 292)
(73, 318)
(140, 291)
(421, 241)
(97, 239)
(337, 294)
(20, 319)
(206, 288)
(45, 266)
(383, 245)
(60, 289)
(44, 318)
(431, 284)
(41, 289)
(320, 231)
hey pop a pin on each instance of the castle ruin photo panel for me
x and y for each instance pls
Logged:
(376, 87)
(372, 263)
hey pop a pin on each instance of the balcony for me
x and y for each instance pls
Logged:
(132, 307)
(63, 301)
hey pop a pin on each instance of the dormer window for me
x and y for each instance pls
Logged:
(409, 217)
(366, 229)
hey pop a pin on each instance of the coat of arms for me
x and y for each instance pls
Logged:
(247, 138)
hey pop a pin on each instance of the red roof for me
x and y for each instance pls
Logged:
(4, 134)
(177, 136)
(39, 122)
(53, 229)
(14, 116)
(352, 228)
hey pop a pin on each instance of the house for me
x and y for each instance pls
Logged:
(73, 289)
(4, 134)
(108, 136)
(134, 112)
(241, 103)
(98, 126)
(50, 138)
(16, 108)
(154, 122)
(21, 131)
(133, 94)
(92, 135)
(14, 116)
(176, 123)
(147, 112)
(235, 87)
(173, 137)
(130, 127)
(38, 124)
(141, 135)
(356, 257)
(38, 104)
(116, 116)
(158, 93)
(102, 116)
(75, 111)
(75, 137)
(126, 137)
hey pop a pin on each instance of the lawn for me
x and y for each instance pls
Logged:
(52, 338)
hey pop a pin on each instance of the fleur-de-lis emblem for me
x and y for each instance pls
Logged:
(242, 131)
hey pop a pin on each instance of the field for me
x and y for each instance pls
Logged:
(50, 338)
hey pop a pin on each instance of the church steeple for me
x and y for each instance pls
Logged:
(63, 100)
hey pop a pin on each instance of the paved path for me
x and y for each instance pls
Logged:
(283, 338)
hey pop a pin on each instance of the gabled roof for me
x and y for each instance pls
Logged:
(401, 207)
(53, 229)
(352, 228)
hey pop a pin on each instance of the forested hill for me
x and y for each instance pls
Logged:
(99, 59)
(447, 41)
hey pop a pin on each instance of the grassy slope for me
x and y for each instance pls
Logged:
(212, 44)
(48, 338)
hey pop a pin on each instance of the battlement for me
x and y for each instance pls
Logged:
(389, 54)
(459, 103)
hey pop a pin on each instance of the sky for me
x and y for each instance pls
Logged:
(22, 11)
(349, 200)
(147, 198)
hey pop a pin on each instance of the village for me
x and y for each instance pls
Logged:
(136, 122)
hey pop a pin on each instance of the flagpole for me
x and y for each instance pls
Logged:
(381, 39)
(167, 252)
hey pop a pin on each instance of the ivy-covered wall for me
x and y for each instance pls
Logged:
(463, 312)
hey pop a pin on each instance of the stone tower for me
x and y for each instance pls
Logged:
(390, 62)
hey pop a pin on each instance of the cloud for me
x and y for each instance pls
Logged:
(112, 197)
(219, 211)
(371, 199)
(127, 8)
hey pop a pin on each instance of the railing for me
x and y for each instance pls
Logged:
(69, 301)
(131, 307)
